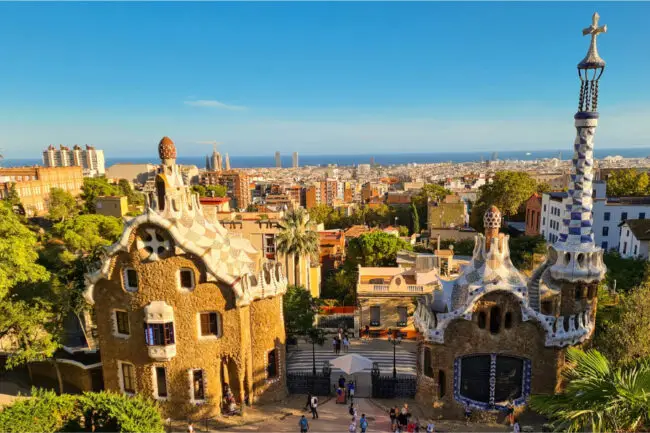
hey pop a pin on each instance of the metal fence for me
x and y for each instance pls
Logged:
(304, 383)
(335, 321)
(389, 387)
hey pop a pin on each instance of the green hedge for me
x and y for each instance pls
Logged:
(46, 412)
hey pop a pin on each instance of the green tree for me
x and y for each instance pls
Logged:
(296, 238)
(320, 213)
(508, 191)
(18, 252)
(430, 191)
(415, 218)
(627, 337)
(403, 230)
(134, 197)
(628, 182)
(626, 273)
(85, 233)
(598, 396)
(94, 187)
(524, 248)
(375, 249)
(210, 190)
(299, 310)
(62, 205)
(315, 336)
(92, 411)
(341, 285)
(12, 195)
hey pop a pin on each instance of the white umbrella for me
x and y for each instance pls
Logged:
(351, 363)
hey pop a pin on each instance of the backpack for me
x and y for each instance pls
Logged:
(314, 402)
(351, 411)
(364, 424)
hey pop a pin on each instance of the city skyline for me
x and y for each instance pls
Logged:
(308, 77)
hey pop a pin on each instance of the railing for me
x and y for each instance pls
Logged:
(393, 288)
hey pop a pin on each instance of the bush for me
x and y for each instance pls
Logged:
(47, 412)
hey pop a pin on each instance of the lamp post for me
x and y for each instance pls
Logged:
(394, 339)
(396, 218)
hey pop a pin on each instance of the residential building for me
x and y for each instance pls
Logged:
(533, 215)
(635, 237)
(33, 185)
(294, 158)
(313, 195)
(332, 251)
(137, 174)
(89, 159)
(209, 318)
(278, 160)
(449, 219)
(212, 206)
(261, 230)
(116, 206)
(281, 201)
(385, 296)
(237, 185)
(608, 213)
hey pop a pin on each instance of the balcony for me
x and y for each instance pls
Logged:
(411, 289)
(162, 353)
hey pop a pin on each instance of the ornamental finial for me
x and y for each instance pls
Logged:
(592, 60)
(590, 69)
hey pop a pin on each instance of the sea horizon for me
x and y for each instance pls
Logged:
(268, 161)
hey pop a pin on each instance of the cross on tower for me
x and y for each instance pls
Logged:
(593, 29)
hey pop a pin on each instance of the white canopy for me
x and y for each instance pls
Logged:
(351, 363)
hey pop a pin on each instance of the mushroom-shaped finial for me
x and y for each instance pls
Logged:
(166, 149)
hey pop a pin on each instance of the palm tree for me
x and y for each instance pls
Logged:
(598, 397)
(296, 238)
(315, 336)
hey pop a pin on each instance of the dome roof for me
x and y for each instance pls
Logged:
(492, 218)
(166, 148)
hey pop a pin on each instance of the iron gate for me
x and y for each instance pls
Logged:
(306, 382)
(390, 387)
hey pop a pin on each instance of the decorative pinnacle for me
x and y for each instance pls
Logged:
(592, 60)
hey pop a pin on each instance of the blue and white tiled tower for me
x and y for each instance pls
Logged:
(575, 256)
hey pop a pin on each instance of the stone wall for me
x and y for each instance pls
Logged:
(75, 379)
(223, 359)
(387, 310)
(463, 337)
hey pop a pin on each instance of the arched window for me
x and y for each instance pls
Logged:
(578, 293)
(441, 384)
(495, 319)
(481, 320)
(507, 321)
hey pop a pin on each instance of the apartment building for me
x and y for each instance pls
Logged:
(533, 215)
(608, 213)
(33, 184)
(237, 185)
(635, 238)
(89, 159)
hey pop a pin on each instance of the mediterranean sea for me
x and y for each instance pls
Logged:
(348, 160)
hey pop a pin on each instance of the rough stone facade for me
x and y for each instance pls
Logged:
(524, 339)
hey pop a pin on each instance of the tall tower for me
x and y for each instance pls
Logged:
(575, 257)
(295, 159)
(278, 161)
(227, 162)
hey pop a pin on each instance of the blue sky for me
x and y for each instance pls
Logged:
(315, 77)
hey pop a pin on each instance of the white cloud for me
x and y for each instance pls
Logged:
(214, 104)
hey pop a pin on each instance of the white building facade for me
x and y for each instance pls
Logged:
(608, 213)
(89, 159)
(635, 237)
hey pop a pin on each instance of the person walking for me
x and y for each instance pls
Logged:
(190, 428)
(510, 413)
(351, 391)
(352, 428)
(308, 402)
(334, 344)
(363, 423)
(304, 424)
(346, 344)
(402, 419)
(516, 428)
(393, 417)
(468, 413)
(431, 427)
(313, 405)
(367, 332)
(338, 345)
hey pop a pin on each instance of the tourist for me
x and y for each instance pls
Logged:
(351, 391)
(304, 424)
(313, 405)
(338, 345)
(431, 427)
(341, 382)
(367, 332)
(516, 428)
(363, 423)
(468, 413)
(352, 428)
(190, 428)
(334, 344)
(353, 412)
(393, 417)
(346, 344)
(308, 403)
(402, 418)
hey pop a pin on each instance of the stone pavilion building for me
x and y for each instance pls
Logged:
(492, 337)
(182, 307)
